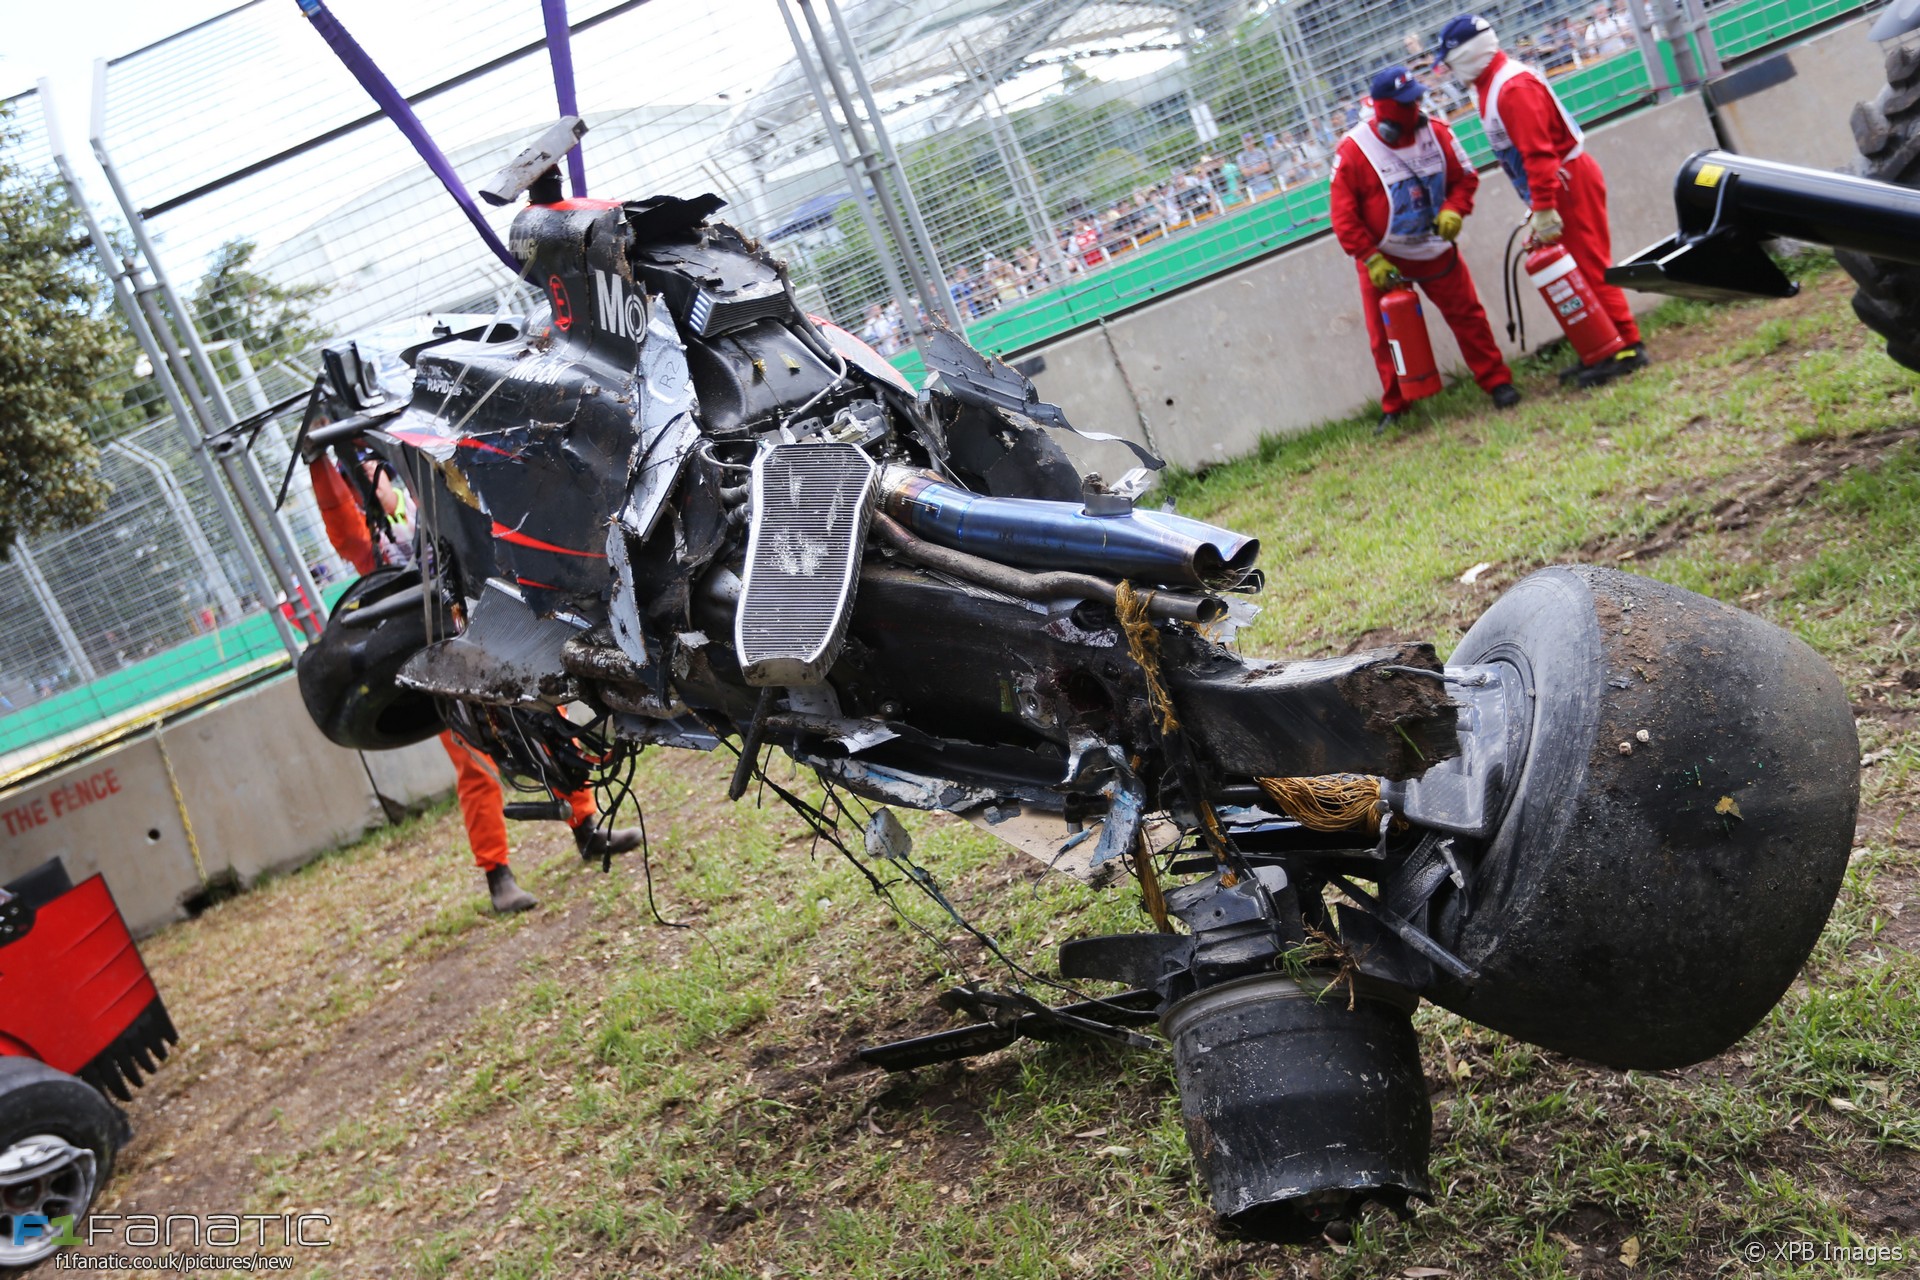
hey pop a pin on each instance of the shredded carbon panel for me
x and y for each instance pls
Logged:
(811, 504)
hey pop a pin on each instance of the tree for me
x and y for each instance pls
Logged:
(233, 301)
(1243, 75)
(849, 272)
(58, 341)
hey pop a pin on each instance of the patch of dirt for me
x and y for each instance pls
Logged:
(252, 1100)
(1593, 1239)
(1890, 1207)
(1756, 497)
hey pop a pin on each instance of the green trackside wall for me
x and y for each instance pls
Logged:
(1592, 93)
(203, 659)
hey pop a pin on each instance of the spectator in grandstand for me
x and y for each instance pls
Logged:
(1402, 187)
(965, 293)
(1192, 197)
(1609, 33)
(999, 284)
(1256, 166)
(1418, 61)
(1308, 159)
(1085, 244)
(1559, 47)
(1539, 145)
(878, 331)
(1227, 182)
(1032, 275)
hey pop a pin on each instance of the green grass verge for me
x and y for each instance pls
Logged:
(584, 1092)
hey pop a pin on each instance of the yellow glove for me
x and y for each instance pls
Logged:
(1380, 271)
(1447, 225)
(1545, 225)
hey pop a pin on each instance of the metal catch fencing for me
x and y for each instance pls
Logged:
(1044, 163)
(146, 607)
(1068, 161)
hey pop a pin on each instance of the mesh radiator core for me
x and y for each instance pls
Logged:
(811, 505)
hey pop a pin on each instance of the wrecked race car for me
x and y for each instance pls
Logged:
(673, 509)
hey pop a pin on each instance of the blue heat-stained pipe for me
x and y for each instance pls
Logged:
(381, 90)
(1030, 533)
(560, 53)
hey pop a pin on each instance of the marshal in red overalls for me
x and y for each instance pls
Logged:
(1542, 150)
(1401, 188)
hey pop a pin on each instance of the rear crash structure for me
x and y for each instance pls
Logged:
(671, 509)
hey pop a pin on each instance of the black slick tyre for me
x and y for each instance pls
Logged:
(348, 676)
(1677, 834)
(58, 1139)
(1887, 132)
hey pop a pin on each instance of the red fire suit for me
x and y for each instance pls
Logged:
(476, 778)
(1361, 210)
(1543, 153)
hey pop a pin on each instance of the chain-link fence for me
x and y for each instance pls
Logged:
(1065, 159)
(1072, 160)
(144, 607)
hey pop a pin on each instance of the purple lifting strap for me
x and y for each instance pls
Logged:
(381, 90)
(560, 53)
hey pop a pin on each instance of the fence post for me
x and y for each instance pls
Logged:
(1007, 142)
(923, 241)
(37, 584)
(126, 295)
(1702, 33)
(864, 197)
(1649, 42)
(1675, 29)
(211, 408)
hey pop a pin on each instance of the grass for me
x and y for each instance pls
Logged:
(586, 1092)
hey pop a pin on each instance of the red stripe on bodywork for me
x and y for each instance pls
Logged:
(580, 202)
(519, 539)
(425, 439)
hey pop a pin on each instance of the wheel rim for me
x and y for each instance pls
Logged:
(41, 1174)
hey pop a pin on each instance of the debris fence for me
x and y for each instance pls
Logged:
(1019, 169)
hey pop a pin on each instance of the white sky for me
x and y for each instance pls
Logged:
(60, 41)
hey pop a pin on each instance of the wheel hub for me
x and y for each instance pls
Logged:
(43, 1175)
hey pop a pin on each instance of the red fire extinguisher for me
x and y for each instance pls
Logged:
(1573, 303)
(1407, 339)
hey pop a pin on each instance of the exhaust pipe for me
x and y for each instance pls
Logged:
(1040, 587)
(1142, 546)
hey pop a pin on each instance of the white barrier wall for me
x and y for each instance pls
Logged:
(263, 790)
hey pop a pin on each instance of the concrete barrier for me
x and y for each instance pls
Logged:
(263, 792)
(1795, 105)
(1279, 345)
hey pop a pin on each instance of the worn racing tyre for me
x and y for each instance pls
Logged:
(1644, 902)
(1887, 132)
(347, 676)
(58, 1137)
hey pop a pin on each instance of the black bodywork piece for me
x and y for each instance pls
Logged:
(1729, 206)
(672, 509)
